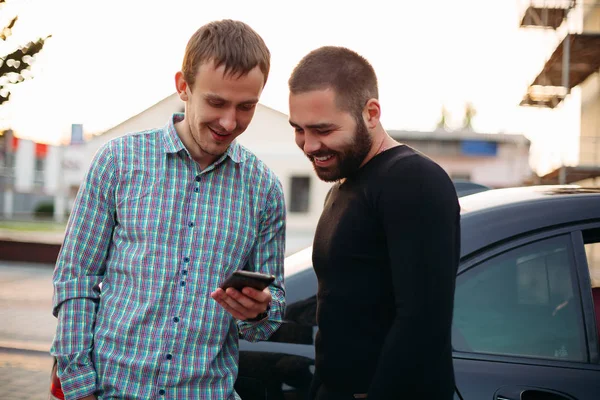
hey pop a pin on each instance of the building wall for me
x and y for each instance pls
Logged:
(589, 140)
(591, 16)
(24, 166)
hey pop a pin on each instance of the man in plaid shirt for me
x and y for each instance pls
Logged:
(162, 218)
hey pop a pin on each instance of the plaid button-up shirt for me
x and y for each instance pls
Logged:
(161, 234)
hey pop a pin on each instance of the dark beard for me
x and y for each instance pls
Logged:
(349, 160)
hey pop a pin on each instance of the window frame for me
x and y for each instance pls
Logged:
(578, 268)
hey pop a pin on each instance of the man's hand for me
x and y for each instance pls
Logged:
(243, 305)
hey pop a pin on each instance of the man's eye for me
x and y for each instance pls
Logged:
(216, 104)
(298, 130)
(324, 132)
(247, 107)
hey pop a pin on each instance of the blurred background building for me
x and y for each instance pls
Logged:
(494, 160)
(25, 175)
(36, 176)
(574, 62)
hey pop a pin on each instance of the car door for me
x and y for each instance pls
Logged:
(522, 323)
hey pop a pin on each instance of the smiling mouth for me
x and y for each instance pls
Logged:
(219, 133)
(322, 161)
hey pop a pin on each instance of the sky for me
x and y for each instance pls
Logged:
(107, 61)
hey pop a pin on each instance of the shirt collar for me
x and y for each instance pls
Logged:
(173, 144)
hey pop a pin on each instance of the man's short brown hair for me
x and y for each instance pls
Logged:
(226, 42)
(350, 75)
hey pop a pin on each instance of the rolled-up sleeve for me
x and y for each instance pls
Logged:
(267, 257)
(78, 273)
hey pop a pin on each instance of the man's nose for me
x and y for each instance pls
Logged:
(311, 144)
(228, 120)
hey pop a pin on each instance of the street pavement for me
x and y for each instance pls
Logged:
(27, 327)
(24, 375)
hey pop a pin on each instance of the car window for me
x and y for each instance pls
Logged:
(591, 240)
(522, 302)
(592, 251)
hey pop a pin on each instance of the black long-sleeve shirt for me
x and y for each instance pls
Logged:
(386, 252)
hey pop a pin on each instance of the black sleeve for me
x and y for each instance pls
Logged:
(419, 211)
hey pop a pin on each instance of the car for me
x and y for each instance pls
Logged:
(527, 304)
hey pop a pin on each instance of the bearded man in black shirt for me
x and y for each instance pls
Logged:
(387, 245)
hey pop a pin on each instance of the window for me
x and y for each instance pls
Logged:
(300, 194)
(478, 148)
(40, 164)
(523, 302)
(38, 173)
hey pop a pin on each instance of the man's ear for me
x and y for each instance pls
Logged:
(372, 113)
(181, 86)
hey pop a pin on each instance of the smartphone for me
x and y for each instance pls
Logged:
(241, 279)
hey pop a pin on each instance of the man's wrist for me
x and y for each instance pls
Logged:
(263, 315)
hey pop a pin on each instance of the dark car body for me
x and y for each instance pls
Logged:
(525, 323)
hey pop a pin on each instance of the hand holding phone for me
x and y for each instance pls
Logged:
(252, 305)
(241, 279)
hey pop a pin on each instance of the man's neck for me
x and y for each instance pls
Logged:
(386, 144)
(381, 143)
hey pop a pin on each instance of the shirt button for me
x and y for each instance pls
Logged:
(191, 224)
(198, 177)
(169, 356)
(196, 190)
(161, 392)
(186, 259)
(175, 319)
(184, 272)
(182, 283)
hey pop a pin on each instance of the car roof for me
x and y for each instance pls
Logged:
(496, 215)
